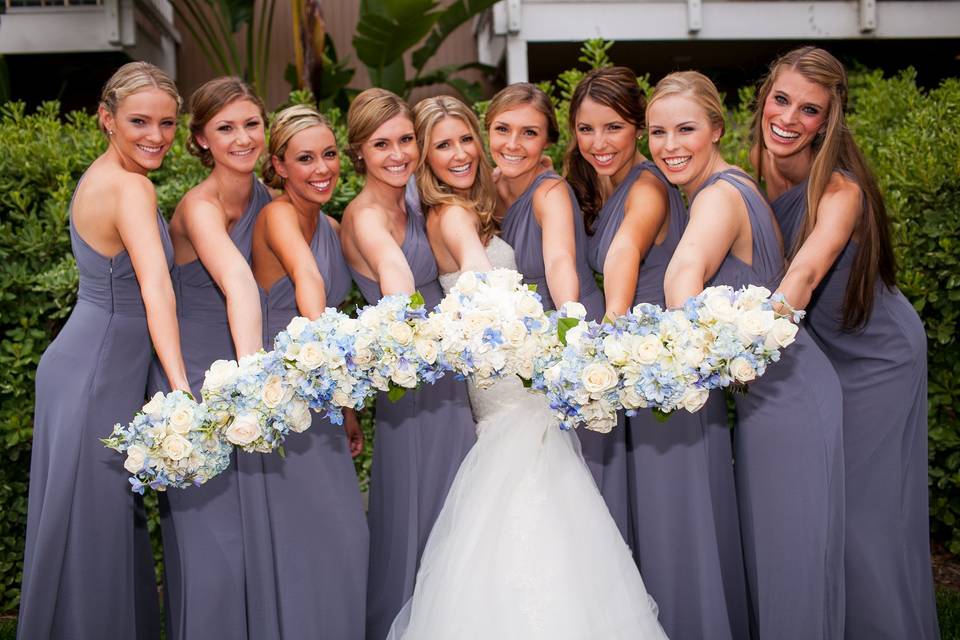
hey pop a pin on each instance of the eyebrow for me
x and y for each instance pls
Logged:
(522, 126)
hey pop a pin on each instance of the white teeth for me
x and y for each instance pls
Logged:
(150, 149)
(790, 135)
(510, 158)
(603, 158)
(320, 185)
(242, 153)
(397, 169)
(677, 162)
(461, 169)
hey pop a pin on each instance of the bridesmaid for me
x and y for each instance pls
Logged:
(543, 224)
(303, 525)
(787, 442)
(88, 567)
(218, 308)
(420, 439)
(682, 501)
(842, 271)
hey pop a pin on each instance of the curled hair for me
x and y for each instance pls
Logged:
(482, 199)
(614, 87)
(208, 100)
(369, 110)
(132, 78)
(288, 123)
(834, 149)
(521, 93)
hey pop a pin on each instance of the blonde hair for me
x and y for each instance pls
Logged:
(697, 86)
(208, 100)
(369, 110)
(521, 93)
(132, 78)
(834, 149)
(482, 199)
(288, 123)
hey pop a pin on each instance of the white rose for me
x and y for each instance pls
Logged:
(693, 356)
(598, 376)
(155, 406)
(298, 415)
(573, 309)
(310, 356)
(514, 332)
(176, 447)
(244, 429)
(755, 322)
(273, 392)
(631, 398)
(251, 363)
(220, 374)
(615, 350)
(466, 283)
(401, 332)
(782, 334)
(450, 303)
(341, 398)
(369, 318)
(646, 349)
(694, 399)
(529, 306)
(742, 371)
(181, 418)
(718, 306)
(574, 334)
(504, 279)
(136, 458)
(406, 377)
(426, 349)
(296, 326)
(752, 296)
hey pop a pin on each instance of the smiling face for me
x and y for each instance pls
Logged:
(518, 137)
(605, 139)
(453, 152)
(143, 128)
(310, 165)
(235, 136)
(793, 113)
(683, 142)
(391, 153)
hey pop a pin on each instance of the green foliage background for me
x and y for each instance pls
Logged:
(908, 134)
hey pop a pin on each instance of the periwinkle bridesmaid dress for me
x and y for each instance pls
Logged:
(684, 530)
(883, 371)
(788, 449)
(304, 531)
(202, 541)
(419, 443)
(603, 452)
(88, 566)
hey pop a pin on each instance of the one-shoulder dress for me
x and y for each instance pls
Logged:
(883, 371)
(202, 543)
(305, 533)
(788, 449)
(604, 452)
(88, 567)
(684, 527)
(419, 443)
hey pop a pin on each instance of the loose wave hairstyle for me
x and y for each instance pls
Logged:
(131, 78)
(613, 87)
(522, 93)
(482, 199)
(288, 123)
(208, 100)
(834, 149)
(370, 109)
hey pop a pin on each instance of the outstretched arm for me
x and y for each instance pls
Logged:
(458, 230)
(285, 239)
(382, 253)
(554, 213)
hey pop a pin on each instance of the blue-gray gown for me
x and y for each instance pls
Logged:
(202, 541)
(683, 507)
(603, 452)
(305, 534)
(419, 443)
(883, 371)
(88, 567)
(788, 448)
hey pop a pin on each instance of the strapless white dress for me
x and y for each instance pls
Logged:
(524, 547)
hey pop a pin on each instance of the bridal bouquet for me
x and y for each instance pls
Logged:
(398, 352)
(171, 442)
(253, 401)
(325, 359)
(575, 374)
(488, 326)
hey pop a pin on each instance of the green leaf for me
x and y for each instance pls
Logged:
(395, 392)
(660, 415)
(386, 29)
(564, 325)
(454, 15)
(526, 382)
(416, 300)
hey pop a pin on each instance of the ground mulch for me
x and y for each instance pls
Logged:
(946, 568)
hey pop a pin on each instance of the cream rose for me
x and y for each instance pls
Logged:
(646, 349)
(426, 349)
(401, 332)
(615, 350)
(466, 283)
(742, 371)
(755, 322)
(136, 458)
(181, 419)
(598, 377)
(176, 447)
(529, 306)
(573, 309)
(155, 406)
(341, 398)
(505, 279)
(694, 399)
(718, 306)
(632, 399)
(298, 415)
(273, 392)
(220, 374)
(514, 332)
(782, 334)
(310, 356)
(244, 429)
(296, 326)
(406, 377)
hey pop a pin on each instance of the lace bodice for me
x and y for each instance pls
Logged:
(507, 394)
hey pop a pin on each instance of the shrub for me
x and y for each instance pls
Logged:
(908, 135)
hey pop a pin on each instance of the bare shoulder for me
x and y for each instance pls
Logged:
(550, 189)
(647, 185)
(842, 187)
(719, 198)
(334, 223)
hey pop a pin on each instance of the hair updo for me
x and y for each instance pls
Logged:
(369, 110)
(211, 98)
(132, 78)
(288, 123)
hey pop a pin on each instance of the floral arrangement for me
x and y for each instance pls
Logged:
(171, 442)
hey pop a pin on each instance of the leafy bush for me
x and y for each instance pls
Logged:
(906, 132)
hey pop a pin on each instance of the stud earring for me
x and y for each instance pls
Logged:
(109, 132)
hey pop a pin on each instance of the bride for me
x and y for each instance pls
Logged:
(524, 547)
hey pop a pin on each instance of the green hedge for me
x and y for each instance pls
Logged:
(908, 134)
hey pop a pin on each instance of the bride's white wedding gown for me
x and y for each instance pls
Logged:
(524, 547)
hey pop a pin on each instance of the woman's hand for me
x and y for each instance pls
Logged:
(351, 425)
